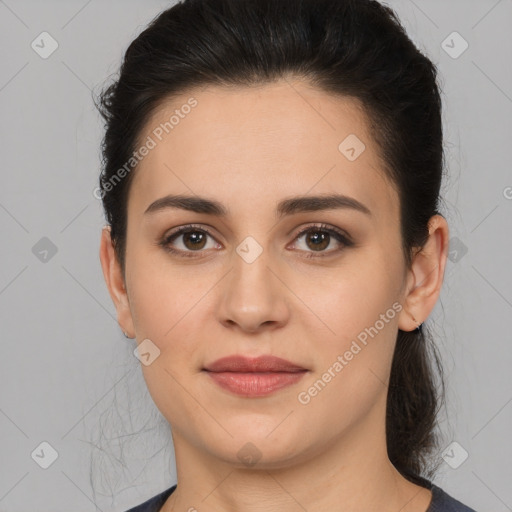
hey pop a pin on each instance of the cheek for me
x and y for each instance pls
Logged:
(353, 366)
(162, 298)
(342, 302)
(353, 330)
(164, 306)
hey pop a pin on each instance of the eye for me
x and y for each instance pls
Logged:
(194, 239)
(320, 237)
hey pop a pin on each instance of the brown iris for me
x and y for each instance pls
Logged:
(320, 239)
(197, 239)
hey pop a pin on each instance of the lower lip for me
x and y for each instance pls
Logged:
(254, 383)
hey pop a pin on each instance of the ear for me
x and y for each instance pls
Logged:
(425, 278)
(115, 282)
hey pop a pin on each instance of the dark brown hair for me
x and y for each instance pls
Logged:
(353, 48)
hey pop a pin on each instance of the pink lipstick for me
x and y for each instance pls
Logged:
(253, 377)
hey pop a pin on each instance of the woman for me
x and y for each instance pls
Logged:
(271, 184)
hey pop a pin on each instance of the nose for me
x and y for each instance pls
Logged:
(253, 297)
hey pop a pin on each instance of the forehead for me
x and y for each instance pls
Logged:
(247, 145)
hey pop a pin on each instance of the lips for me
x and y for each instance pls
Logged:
(254, 377)
(243, 364)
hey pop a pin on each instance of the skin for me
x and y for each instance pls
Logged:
(249, 148)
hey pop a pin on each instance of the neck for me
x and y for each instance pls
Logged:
(353, 474)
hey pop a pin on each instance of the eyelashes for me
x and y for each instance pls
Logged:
(193, 229)
(331, 231)
(167, 240)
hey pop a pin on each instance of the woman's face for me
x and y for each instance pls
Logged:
(253, 286)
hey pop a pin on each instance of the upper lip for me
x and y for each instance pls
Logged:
(264, 363)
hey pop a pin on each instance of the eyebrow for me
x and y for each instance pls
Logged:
(284, 208)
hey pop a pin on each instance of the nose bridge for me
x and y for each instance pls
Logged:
(251, 277)
(252, 294)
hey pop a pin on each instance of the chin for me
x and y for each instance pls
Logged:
(259, 448)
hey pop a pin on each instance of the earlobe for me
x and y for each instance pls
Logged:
(115, 282)
(425, 277)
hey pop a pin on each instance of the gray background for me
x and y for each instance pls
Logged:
(68, 375)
